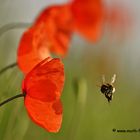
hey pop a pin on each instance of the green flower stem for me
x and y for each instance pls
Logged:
(80, 88)
(6, 28)
(11, 26)
(7, 67)
(12, 98)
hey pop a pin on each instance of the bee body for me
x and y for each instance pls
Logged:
(108, 89)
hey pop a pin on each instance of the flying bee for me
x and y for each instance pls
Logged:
(107, 88)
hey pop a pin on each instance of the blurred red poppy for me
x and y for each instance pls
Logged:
(91, 16)
(88, 18)
(43, 87)
(33, 48)
(58, 23)
(119, 20)
(51, 33)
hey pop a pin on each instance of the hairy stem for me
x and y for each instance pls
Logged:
(12, 98)
(7, 67)
(11, 26)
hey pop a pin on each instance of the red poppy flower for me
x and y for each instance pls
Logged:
(88, 18)
(50, 33)
(43, 87)
(120, 20)
(58, 23)
(32, 49)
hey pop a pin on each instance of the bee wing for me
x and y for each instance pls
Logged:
(103, 79)
(113, 79)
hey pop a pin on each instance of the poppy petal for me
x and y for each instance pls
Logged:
(46, 114)
(30, 50)
(88, 18)
(45, 82)
(43, 87)
(58, 23)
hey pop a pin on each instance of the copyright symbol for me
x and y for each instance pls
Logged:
(114, 130)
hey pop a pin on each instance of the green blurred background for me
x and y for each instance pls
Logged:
(87, 114)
